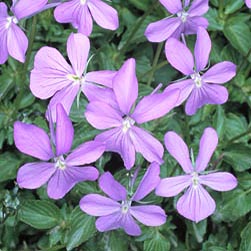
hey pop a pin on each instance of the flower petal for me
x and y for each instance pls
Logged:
(104, 15)
(125, 85)
(220, 181)
(220, 73)
(173, 6)
(102, 116)
(101, 77)
(65, 12)
(148, 183)
(86, 153)
(198, 7)
(208, 144)
(155, 106)
(127, 151)
(83, 20)
(78, 47)
(248, 3)
(98, 205)
(192, 24)
(129, 225)
(111, 187)
(34, 175)
(147, 145)
(172, 186)
(196, 204)
(149, 215)
(202, 49)
(50, 73)
(3, 10)
(178, 149)
(108, 222)
(17, 43)
(64, 131)
(176, 52)
(32, 140)
(3, 43)
(162, 30)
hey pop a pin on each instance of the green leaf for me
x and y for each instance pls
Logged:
(82, 228)
(233, 5)
(159, 243)
(215, 23)
(115, 240)
(246, 238)
(40, 214)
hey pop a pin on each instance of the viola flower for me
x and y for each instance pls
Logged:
(53, 76)
(248, 3)
(62, 173)
(13, 41)
(118, 210)
(125, 137)
(186, 22)
(80, 13)
(196, 204)
(200, 89)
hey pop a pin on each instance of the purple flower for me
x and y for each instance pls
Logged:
(200, 89)
(125, 138)
(13, 41)
(62, 173)
(52, 75)
(248, 3)
(114, 214)
(187, 21)
(81, 12)
(196, 204)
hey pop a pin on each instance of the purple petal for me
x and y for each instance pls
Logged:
(3, 43)
(202, 49)
(125, 85)
(148, 183)
(64, 131)
(198, 7)
(25, 8)
(185, 87)
(102, 116)
(3, 10)
(86, 153)
(149, 215)
(208, 144)
(192, 24)
(108, 222)
(162, 30)
(178, 149)
(172, 186)
(17, 43)
(196, 204)
(78, 47)
(112, 187)
(155, 106)
(220, 181)
(220, 73)
(147, 145)
(248, 3)
(173, 6)
(129, 225)
(104, 15)
(98, 205)
(34, 175)
(175, 54)
(50, 73)
(32, 140)
(84, 20)
(101, 77)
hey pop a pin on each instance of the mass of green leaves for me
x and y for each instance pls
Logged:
(29, 220)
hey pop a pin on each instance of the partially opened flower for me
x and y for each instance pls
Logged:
(121, 208)
(62, 172)
(81, 12)
(53, 76)
(196, 204)
(125, 137)
(187, 20)
(13, 41)
(200, 89)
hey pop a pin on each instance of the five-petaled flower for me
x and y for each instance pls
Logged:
(196, 204)
(118, 210)
(62, 173)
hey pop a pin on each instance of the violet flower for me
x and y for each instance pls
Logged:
(200, 89)
(125, 137)
(187, 21)
(248, 3)
(196, 204)
(118, 210)
(80, 13)
(13, 41)
(62, 173)
(53, 76)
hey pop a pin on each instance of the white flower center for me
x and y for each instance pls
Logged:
(60, 163)
(82, 2)
(9, 21)
(195, 179)
(127, 123)
(76, 79)
(125, 206)
(183, 16)
(197, 79)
